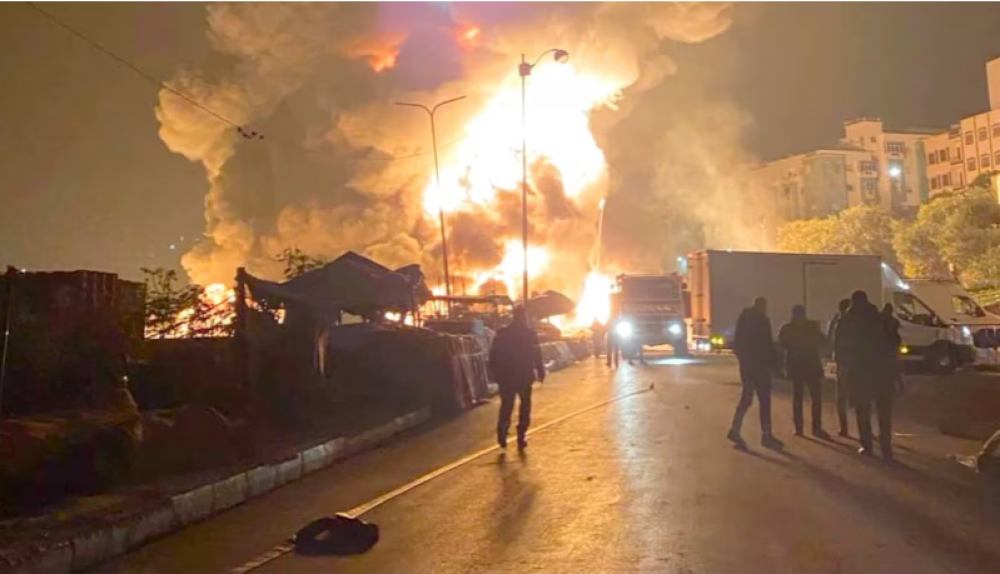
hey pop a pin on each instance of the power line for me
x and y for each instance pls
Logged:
(245, 132)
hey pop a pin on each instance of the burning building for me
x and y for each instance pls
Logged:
(341, 167)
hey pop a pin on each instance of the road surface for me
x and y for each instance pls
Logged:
(647, 483)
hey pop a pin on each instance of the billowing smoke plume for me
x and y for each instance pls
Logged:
(342, 167)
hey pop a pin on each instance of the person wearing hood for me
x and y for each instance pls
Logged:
(802, 343)
(516, 361)
(753, 344)
(866, 349)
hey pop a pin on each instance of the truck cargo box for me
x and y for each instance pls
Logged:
(723, 283)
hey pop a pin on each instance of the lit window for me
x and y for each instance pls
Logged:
(983, 135)
(968, 138)
(895, 147)
(970, 164)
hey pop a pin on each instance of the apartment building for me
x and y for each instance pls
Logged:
(970, 148)
(895, 175)
(814, 184)
(871, 166)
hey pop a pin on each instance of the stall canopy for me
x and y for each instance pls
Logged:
(549, 304)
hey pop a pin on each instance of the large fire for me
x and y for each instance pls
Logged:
(489, 158)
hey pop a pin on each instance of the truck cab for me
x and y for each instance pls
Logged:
(940, 324)
(649, 310)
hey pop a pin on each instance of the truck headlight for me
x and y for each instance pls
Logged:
(624, 329)
(675, 329)
(966, 332)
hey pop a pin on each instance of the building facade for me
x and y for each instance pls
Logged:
(896, 175)
(871, 166)
(970, 148)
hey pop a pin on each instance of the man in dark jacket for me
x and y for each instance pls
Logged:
(614, 347)
(802, 344)
(864, 346)
(892, 327)
(843, 381)
(516, 360)
(753, 344)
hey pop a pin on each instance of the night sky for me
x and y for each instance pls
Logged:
(85, 181)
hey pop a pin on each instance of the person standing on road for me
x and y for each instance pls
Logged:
(802, 343)
(843, 381)
(598, 338)
(613, 343)
(865, 345)
(896, 341)
(753, 344)
(516, 360)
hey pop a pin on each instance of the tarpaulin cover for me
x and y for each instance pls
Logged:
(352, 283)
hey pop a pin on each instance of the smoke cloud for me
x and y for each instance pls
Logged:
(342, 167)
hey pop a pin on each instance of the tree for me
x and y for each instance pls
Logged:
(298, 262)
(954, 235)
(861, 230)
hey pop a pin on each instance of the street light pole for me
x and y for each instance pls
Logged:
(437, 179)
(524, 69)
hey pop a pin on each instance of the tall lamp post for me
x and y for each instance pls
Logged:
(524, 69)
(437, 177)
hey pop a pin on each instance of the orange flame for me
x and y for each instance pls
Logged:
(385, 60)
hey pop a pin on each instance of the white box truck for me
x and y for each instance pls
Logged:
(723, 283)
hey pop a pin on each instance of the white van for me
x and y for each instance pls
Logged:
(938, 321)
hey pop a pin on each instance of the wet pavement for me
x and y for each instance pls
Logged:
(647, 483)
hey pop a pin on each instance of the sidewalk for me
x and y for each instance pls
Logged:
(79, 533)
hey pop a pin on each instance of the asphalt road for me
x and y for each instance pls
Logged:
(644, 484)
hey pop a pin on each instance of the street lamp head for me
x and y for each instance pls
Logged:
(561, 56)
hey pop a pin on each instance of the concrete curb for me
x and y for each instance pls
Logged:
(107, 542)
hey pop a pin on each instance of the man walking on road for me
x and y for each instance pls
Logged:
(866, 353)
(753, 344)
(516, 360)
(843, 381)
(802, 342)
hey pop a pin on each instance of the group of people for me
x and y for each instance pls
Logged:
(615, 348)
(864, 342)
(865, 345)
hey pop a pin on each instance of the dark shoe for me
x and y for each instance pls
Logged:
(865, 451)
(821, 434)
(522, 443)
(770, 442)
(887, 456)
(502, 441)
(737, 439)
(798, 432)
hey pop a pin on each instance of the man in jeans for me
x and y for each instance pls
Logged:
(802, 344)
(753, 344)
(516, 360)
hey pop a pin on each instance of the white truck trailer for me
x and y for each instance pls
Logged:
(723, 283)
